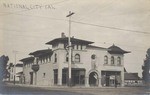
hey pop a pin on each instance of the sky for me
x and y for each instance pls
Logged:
(124, 23)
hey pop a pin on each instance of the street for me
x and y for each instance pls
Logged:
(33, 90)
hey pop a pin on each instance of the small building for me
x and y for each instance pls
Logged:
(132, 79)
(13, 70)
(90, 65)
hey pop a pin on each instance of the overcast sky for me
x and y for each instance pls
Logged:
(125, 23)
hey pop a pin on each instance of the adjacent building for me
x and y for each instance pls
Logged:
(91, 65)
(14, 70)
(132, 79)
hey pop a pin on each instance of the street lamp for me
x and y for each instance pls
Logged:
(69, 43)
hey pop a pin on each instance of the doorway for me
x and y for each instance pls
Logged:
(93, 79)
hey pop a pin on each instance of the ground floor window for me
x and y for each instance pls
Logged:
(77, 75)
(111, 78)
(55, 76)
(64, 76)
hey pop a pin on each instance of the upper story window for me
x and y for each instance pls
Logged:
(112, 60)
(77, 58)
(93, 57)
(105, 59)
(81, 47)
(119, 61)
(44, 75)
(77, 47)
(55, 57)
(67, 57)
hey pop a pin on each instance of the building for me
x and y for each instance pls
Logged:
(132, 79)
(14, 70)
(91, 65)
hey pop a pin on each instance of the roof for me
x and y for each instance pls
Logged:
(131, 76)
(92, 46)
(65, 40)
(41, 52)
(19, 65)
(27, 59)
(116, 50)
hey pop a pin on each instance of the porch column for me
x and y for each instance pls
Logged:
(86, 81)
(122, 78)
(59, 76)
(99, 81)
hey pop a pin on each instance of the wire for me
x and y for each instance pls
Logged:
(111, 27)
(89, 24)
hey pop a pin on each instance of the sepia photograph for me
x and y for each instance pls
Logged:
(74, 47)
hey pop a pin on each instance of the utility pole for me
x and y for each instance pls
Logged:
(15, 52)
(69, 46)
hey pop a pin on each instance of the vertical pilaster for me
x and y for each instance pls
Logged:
(122, 78)
(99, 79)
(86, 81)
(59, 76)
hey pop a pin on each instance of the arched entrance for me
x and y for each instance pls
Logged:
(93, 79)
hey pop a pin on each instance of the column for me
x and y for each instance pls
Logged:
(59, 76)
(122, 78)
(99, 79)
(86, 81)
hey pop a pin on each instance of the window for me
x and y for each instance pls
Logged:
(77, 46)
(81, 47)
(43, 75)
(93, 56)
(55, 76)
(112, 59)
(105, 59)
(119, 61)
(77, 58)
(55, 58)
(67, 57)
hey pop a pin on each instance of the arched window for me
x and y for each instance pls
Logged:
(55, 58)
(67, 57)
(119, 61)
(105, 59)
(77, 58)
(112, 60)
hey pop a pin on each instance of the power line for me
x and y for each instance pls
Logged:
(136, 31)
(111, 27)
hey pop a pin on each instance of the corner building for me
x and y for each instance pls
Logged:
(91, 65)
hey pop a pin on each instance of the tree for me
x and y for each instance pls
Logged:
(3, 67)
(146, 68)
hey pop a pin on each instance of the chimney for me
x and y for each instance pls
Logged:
(63, 35)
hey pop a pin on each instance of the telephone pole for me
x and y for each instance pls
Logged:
(15, 52)
(69, 46)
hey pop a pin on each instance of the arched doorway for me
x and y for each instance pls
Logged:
(93, 79)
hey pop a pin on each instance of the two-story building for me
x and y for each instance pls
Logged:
(91, 65)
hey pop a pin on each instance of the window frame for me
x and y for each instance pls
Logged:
(112, 60)
(77, 58)
(105, 59)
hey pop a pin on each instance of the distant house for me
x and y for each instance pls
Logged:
(91, 65)
(132, 79)
(13, 70)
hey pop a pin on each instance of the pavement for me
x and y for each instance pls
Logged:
(23, 89)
